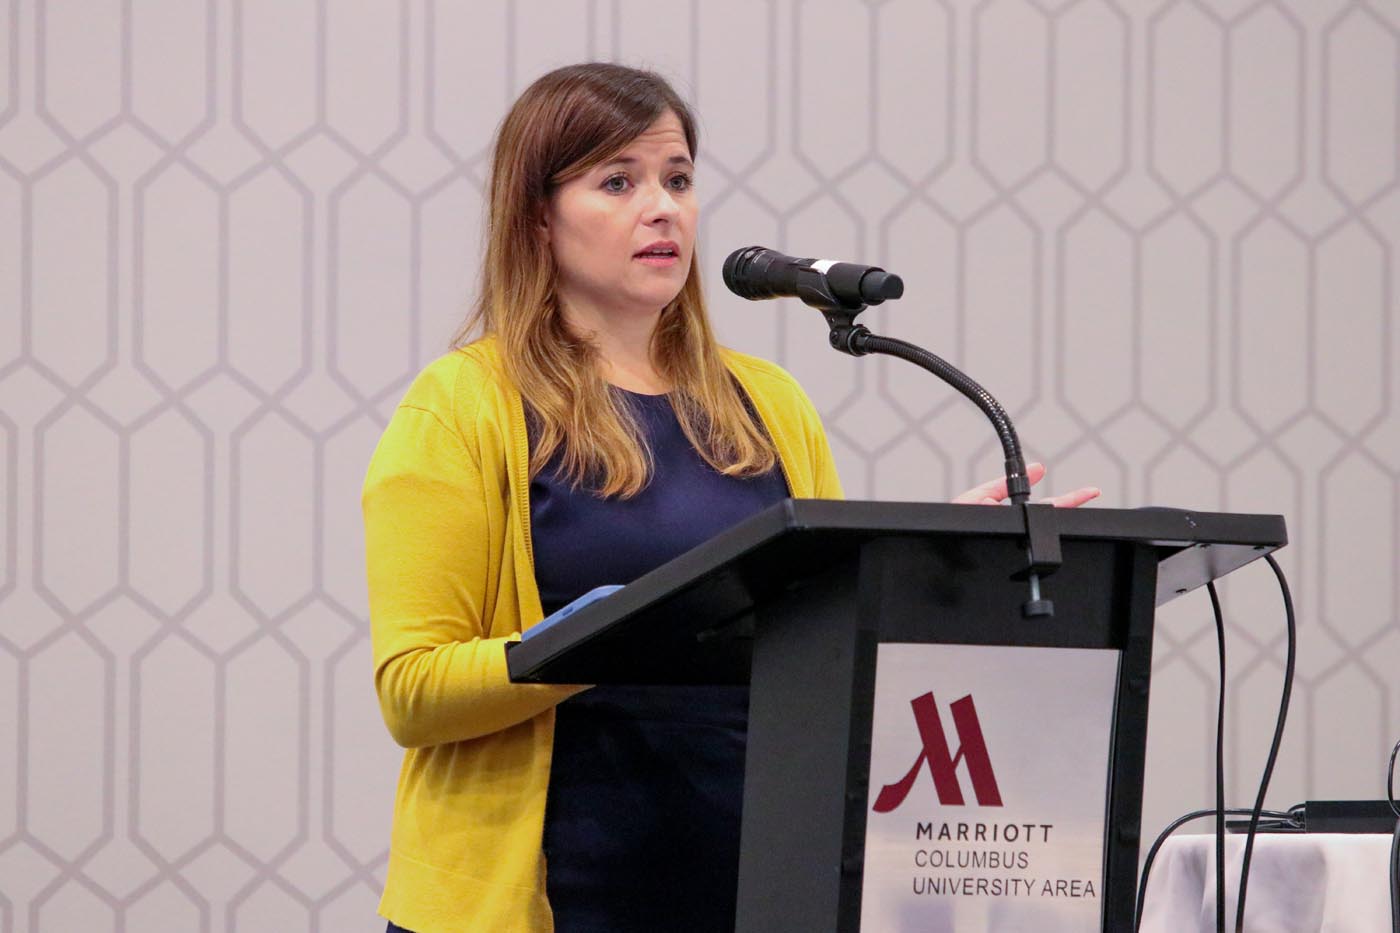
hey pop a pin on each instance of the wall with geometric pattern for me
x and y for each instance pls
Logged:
(1164, 232)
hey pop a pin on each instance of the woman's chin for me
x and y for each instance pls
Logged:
(651, 300)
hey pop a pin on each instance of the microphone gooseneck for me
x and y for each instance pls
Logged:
(861, 341)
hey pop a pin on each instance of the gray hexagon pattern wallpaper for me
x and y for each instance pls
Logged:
(1164, 232)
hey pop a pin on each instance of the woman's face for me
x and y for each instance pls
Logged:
(623, 232)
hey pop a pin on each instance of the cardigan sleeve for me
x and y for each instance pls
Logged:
(826, 484)
(433, 578)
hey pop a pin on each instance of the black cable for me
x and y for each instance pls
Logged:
(1219, 765)
(1394, 843)
(1395, 879)
(1279, 819)
(1289, 820)
(1390, 782)
(1278, 737)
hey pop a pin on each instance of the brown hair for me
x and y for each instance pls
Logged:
(562, 125)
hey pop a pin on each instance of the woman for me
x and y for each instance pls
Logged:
(595, 431)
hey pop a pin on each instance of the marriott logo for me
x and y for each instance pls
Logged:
(942, 761)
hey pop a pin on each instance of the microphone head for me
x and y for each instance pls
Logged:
(746, 272)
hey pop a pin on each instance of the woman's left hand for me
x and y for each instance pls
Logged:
(993, 492)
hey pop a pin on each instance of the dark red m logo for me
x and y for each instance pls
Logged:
(972, 749)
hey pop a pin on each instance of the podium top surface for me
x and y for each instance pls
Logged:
(802, 535)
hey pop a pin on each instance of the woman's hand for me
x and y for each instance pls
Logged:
(993, 491)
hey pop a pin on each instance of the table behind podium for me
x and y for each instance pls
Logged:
(1007, 752)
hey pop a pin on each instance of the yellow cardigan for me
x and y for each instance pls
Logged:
(451, 580)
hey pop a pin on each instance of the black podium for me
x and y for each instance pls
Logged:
(797, 600)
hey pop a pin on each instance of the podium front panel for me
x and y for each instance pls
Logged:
(989, 771)
(809, 791)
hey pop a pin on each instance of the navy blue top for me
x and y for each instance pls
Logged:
(645, 790)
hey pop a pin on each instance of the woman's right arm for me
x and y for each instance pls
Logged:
(433, 579)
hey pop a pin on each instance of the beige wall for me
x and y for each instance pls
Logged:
(1164, 233)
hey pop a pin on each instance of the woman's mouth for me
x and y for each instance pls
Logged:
(659, 254)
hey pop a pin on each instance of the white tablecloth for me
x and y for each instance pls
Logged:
(1297, 883)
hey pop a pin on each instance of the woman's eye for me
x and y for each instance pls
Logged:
(681, 182)
(616, 183)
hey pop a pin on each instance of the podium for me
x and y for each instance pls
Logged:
(817, 605)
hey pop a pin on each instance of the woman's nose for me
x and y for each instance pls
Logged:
(662, 204)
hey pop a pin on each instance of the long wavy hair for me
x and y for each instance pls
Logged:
(565, 123)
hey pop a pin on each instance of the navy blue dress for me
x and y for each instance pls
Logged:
(642, 819)
(645, 789)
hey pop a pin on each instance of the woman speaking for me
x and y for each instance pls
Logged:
(594, 431)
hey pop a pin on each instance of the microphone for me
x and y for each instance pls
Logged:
(841, 290)
(756, 273)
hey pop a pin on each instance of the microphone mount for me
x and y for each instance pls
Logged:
(1042, 543)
